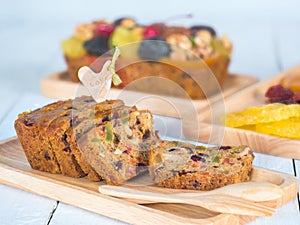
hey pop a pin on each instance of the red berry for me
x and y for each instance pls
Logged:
(279, 92)
(104, 29)
(151, 31)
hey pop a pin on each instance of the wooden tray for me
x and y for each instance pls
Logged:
(252, 96)
(15, 171)
(59, 86)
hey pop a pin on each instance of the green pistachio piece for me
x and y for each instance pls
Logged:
(109, 132)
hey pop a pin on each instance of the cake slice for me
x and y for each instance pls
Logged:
(118, 149)
(186, 166)
(61, 130)
(82, 122)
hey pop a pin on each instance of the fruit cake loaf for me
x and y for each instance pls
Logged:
(118, 149)
(185, 166)
(42, 134)
(156, 50)
(31, 128)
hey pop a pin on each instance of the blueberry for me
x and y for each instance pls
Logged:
(153, 49)
(197, 28)
(96, 46)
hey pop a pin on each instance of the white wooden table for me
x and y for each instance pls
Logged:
(266, 41)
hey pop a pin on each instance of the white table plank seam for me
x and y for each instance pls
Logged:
(52, 213)
(296, 175)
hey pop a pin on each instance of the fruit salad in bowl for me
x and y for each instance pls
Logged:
(194, 58)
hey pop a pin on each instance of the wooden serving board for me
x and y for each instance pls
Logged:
(59, 86)
(252, 96)
(15, 171)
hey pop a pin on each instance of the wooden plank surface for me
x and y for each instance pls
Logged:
(252, 96)
(16, 171)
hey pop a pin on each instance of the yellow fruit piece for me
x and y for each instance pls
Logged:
(286, 128)
(73, 47)
(263, 114)
(248, 127)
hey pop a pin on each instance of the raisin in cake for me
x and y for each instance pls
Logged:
(185, 166)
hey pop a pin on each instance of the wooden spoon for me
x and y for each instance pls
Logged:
(216, 203)
(253, 191)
